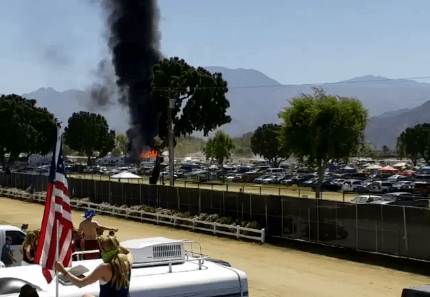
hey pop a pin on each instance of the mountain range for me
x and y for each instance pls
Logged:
(256, 99)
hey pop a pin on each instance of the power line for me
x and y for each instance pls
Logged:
(390, 80)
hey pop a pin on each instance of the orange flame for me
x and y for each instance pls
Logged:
(149, 154)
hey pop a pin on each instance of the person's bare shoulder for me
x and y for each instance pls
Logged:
(95, 224)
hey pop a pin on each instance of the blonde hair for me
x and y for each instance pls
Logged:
(31, 240)
(119, 263)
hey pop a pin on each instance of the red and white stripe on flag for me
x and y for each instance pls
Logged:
(57, 214)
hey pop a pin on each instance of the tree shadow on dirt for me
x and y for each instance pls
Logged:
(393, 262)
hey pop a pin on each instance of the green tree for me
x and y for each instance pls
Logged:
(200, 103)
(219, 147)
(320, 128)
(87, 133)
(423, 141)
(243, 145)
(186, 145)
(121, 144)
(385, 149)
(266, 143)
(365, 151)
(24, 128)
(415, 142)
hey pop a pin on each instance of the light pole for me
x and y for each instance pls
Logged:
(171, 154)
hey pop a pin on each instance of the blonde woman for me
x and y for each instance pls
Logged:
(29, 246)
(113, 274)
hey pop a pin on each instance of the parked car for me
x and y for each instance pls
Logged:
(250, 176)
(381, 186)
(290, 181)
(259, 180)
(363, 199)
(304, 177)
(309, 182)
(402, 199)
(352, 185)
(421, 188)
(402, 186)
(339, 181)
(328, 186)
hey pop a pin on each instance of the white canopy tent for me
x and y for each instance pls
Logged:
(374, 166)
(125, 175)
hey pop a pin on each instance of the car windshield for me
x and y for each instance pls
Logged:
(388, 198)
(359, 199)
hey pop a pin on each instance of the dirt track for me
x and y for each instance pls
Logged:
(272, 270)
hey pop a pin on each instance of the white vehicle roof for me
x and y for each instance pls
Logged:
(186, 278)
(9, 228)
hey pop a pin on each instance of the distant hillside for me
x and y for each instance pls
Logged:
(252, 107)
(64, 104)
(265, 98)
(384, 130)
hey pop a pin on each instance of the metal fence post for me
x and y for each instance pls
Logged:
(242, 211)
(110, 193)
(179, 198)
(318, 221)
(406, 231)
(382, 229)
(223, 201)
(336, 220)
(250, 206)
(200, 201)
(309, 224)
(267, 219)
(282, 217)
(356, 224)
(299, 192)
(376, 232)
(343, 196)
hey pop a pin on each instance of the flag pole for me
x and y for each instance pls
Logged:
(57, 253)
(57, 256)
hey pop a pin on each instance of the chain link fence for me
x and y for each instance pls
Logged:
(400, 231)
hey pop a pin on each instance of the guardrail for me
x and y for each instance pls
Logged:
(212, 227)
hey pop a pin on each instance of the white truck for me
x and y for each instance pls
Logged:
(18, 237)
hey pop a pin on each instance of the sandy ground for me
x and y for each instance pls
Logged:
(288, 270)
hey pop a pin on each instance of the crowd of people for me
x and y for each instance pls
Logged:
(113, 274)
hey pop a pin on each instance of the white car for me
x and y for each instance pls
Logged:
(351, 185)
(362, 199)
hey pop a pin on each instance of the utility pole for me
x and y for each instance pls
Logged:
(171, 154)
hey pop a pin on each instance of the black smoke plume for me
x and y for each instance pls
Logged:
(134, 42)
(103, 93)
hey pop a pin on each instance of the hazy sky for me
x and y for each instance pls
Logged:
(55, 43)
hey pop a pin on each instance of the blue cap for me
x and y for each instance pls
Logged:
(89, 214)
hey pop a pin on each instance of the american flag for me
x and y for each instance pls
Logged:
(57, 214)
